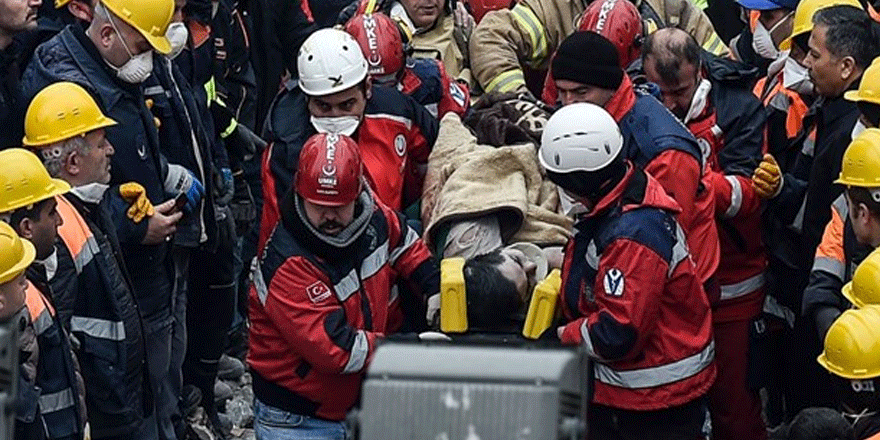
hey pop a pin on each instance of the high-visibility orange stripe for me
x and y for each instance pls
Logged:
(35, 302)
(74, 232)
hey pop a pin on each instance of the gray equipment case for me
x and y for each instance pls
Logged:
(451, 391)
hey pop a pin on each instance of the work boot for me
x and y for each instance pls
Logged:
(229, 368)
(190, 399)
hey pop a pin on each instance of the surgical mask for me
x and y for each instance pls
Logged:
(858, 129)
(338, 125)
(797, 77)
(570, 207)
(699, 101)
(138, 67)
(177, 35)
(762, 42)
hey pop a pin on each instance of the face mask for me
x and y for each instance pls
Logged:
(796, 77)
(569, 205)
(858, 129)
(762, 40)
(338, 125)
(138, 67)
(177, 35)
(698, 102)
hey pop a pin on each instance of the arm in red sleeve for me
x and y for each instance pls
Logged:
(304, 307)
(627, 312)
(456, 98)
(679, 174)
(734, 195)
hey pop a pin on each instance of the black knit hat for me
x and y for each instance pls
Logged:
(588, 58)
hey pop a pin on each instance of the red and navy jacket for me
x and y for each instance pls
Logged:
(428, 83)
(730, 131)
(316, 310)
(658, 142)
(631, 294)
(396, 135)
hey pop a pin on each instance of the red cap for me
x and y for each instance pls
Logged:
(618, 21)
(329, 171)
(380, 40)
(479, 8)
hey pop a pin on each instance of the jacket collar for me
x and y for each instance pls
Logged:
(837, 107)
(623, 99)
(636, 189)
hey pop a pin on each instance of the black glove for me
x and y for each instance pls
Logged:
(242, 144)
(244, 211)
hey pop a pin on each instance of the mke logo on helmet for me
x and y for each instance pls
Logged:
(603, 15)
(374, 58)
(327, 180)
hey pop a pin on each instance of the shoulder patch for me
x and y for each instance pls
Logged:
(318, 292)
(613, 282)
(400, 145)
(456, 93)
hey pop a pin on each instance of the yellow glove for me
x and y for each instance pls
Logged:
(767, 178)
(136, 195)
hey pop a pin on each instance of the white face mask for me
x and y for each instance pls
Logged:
(858, 129)
(337, 125)
(762, 42)
(569, 205)
(138, 67)
(699, 101)
(177, 35)
(796, 77)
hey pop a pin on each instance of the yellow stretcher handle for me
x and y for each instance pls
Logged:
(453, 300)
(542, 307)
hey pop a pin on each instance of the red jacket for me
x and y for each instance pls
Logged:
(395, 136)
(316, 310)
(428, 83)
(635, 302)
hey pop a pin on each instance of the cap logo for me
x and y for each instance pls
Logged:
(328, 179)
(374, 58)
(603, 14)
(336, 80)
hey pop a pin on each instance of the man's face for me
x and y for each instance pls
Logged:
(423, 13)
(772, 19)
(828, 72)
(330, 220)
(118, 48)
(12, 296)
(94, 165)
(17, 16)
(349, 102)
(519, 269)
(861, 220)
(677, 94)
(571, 92)
(43, 231)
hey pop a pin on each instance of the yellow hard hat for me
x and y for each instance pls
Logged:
(61, 111)
(60, 3)
(861, 161)
(150, 18)
(864, 289)
(869, 86)
(803, 16)
(16, 253)
(852, 344)
(24, 181)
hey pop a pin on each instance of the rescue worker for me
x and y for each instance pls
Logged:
(439, 30)
(629, 292)
(850, 354)
(586, 69)
(529, 33)
(850, 235)
(394, 133)
(29, 205)
(618, 21)
(17, 16)
(762, 47)
(841, 45)
(111, 59)
(18, 254)
(713, 98)
(390, 65)
(323, 289)
(93, 294)
(862, 290)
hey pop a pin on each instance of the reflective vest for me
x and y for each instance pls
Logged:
(56, 369)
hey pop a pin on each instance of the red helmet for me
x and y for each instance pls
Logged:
(329, 171)
(618, 21)
(479, 8)
(380, 40)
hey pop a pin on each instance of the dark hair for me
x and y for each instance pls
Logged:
(870, 111)
(861, 195)
(849, 33)
(492, 299)
(819, 424)
(674, 48)
(31, 212)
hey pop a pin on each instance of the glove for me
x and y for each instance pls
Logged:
(767, 178)
(433, 315)
(242, 206)
(182, 180)
(463, 20)
(225, 187)
(242, 144)
(135, 195)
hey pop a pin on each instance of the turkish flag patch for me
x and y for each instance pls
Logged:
(318, 291)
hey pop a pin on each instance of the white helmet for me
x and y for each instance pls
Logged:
(330, 61)
(579, 137)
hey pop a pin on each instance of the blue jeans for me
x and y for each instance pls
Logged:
(271, 423)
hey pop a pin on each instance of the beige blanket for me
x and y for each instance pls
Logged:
(465, 180)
